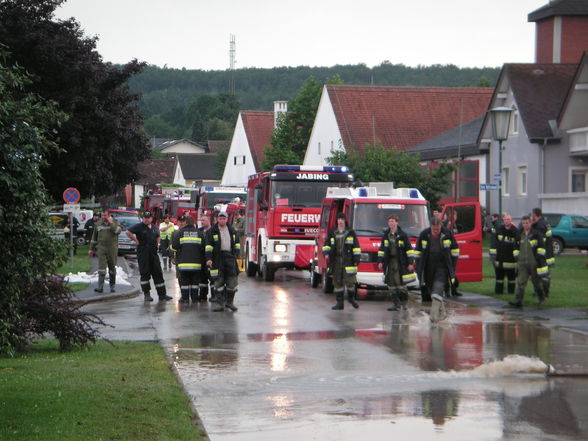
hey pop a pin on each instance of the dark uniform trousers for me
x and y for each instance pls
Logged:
(150, 266)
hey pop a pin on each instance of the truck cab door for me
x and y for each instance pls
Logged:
(464, 219)
(328, 221)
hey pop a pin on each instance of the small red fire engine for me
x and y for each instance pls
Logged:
(367, 210)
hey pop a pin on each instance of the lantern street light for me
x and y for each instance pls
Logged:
(500, 118)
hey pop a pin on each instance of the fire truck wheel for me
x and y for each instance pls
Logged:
(327, 283)
(315, 278)
(267, 272)
(250, 267)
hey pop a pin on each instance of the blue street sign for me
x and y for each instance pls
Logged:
(488, 187)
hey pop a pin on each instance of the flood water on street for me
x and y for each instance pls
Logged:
(287, 367)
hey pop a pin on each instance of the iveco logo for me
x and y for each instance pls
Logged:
(317, 176)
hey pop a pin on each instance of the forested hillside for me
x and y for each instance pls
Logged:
(172, 108)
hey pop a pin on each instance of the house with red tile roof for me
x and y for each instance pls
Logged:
(545, 158)
(351, 117)
(251, 136)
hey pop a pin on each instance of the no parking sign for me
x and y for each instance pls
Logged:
(71, 195)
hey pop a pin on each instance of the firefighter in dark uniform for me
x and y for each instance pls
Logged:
(105, 243)
(530, 253)
(222, 250)
(395, 259)
(189, 243)
(436, 254)
(541, 225)
(205, 279)
(343, 253)
(146, 235)
(504, 242)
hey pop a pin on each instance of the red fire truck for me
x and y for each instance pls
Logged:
(169, 204)
(368, 208)
(207, 198)
(283, 214)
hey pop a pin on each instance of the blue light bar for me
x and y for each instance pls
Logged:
(282, 167)
(336, 168)
(208, 188)
(414, 194)
(363, 192)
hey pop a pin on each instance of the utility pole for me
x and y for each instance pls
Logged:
(232, 61)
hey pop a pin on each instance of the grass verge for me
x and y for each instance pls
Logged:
(80, 264)
(569, 279)
(125, 392)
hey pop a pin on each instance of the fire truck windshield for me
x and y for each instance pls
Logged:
(300, 194)
(371, 219)
(221, 198)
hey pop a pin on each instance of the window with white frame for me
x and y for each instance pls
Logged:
(515, 122)
(505, 181)
(239, 160)
(522, 180)
(578, 180)
(578, 140)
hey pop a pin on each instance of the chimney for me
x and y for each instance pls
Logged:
(280, 107)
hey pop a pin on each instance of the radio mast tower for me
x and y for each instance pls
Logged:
(232, 53)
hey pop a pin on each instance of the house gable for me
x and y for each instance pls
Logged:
(181, 146)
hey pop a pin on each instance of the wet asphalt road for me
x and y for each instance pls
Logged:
(287, 367)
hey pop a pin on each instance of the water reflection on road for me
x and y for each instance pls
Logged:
(287, 367)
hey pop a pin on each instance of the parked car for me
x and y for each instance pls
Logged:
(126, 245)
(568, 230)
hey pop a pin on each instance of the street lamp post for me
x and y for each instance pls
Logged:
(500, 118)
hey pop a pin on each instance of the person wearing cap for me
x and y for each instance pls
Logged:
(222, 250)
(205, 279)
(343, 253)
(395, 259)
(436, 253)
(189, 244)
(105, 243)
(146, 235)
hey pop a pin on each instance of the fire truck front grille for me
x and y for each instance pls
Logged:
(297, 230)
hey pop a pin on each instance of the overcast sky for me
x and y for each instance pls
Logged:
(195, 34)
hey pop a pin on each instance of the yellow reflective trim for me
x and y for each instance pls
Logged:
(326, 248)
(551, 261)
(417, 253)
(548, 233)
(541, 251)
(191, 239)
(424, 243)
(215, 237)
(190, 266)
(492, 251)
(351, 270)
(509, 265)
(381, 253)
(209, 248)
(500, 237)
(407, 278)
(533, 242)
(455, 252)
(349, 240)
(515, 253)
(446, 243)
(543, 270)
(386, 243)
(356, 250)
(213, 273)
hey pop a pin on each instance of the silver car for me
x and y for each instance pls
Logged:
(126, 245)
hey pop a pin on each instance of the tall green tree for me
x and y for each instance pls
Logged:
(32, 300)
(212, 116)
(290, 138)
(102, 140)
(377, 164)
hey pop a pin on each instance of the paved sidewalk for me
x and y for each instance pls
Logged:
(88, 295)
(575, 320)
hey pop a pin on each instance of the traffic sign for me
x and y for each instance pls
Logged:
(497, 177)
(488, 187)
(71, 195)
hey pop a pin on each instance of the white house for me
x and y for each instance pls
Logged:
(251, 136)
(174, 147)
